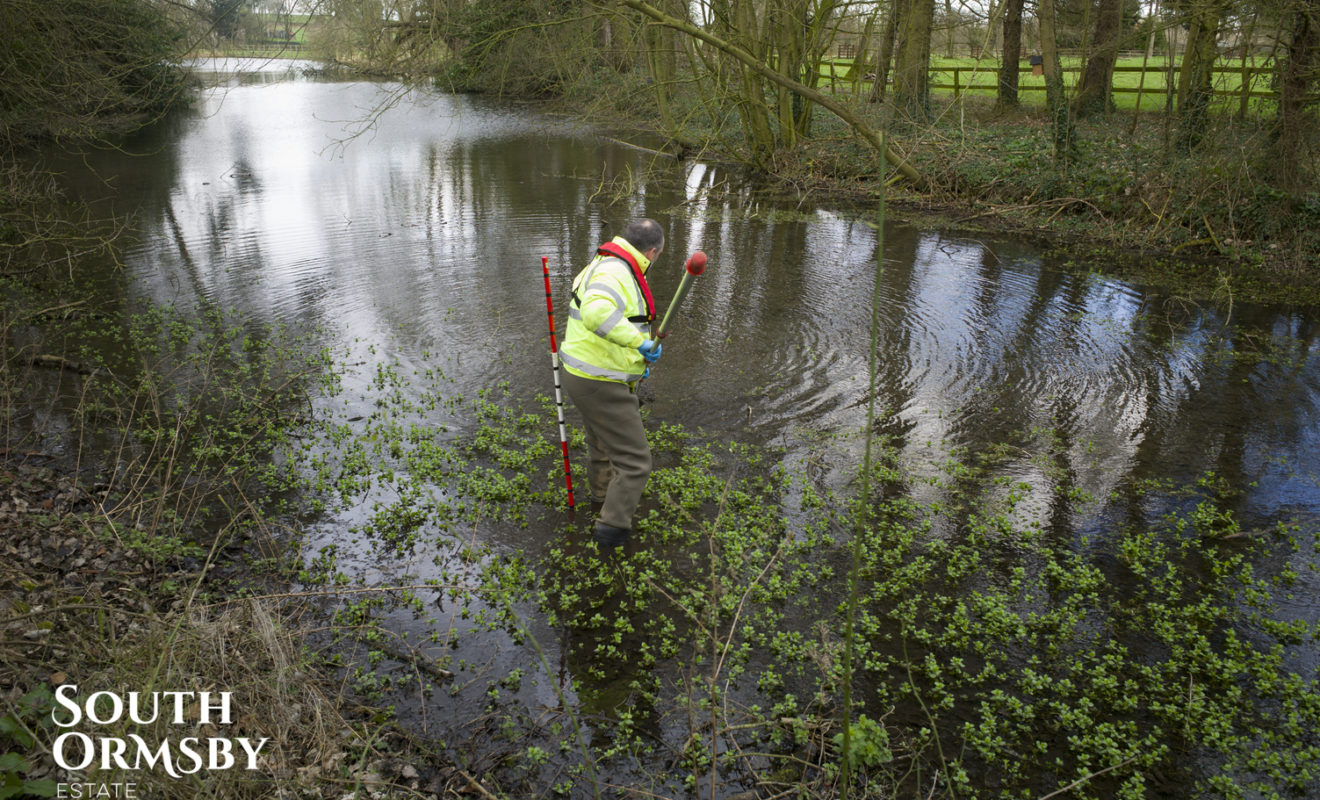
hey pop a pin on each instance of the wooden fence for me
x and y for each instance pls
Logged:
(1251, 82)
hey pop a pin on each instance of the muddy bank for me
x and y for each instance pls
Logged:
(95, 608)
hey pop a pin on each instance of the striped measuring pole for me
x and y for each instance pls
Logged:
(559, 394)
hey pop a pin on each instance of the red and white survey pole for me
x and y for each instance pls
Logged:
(696, 264)
(559, 394)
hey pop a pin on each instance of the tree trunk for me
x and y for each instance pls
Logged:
(1141, 82)
(1194, 85)
(785, 25)
(1060, 119)
(661, 61)
(737, 22)
(912, 62)
(611, 41)
(950, 29)
(820, 26)
(801, 32)
(1094, 89)
(1298, 77)
(993, 23)
(886, 58)
(1012, 57)
(862, 61)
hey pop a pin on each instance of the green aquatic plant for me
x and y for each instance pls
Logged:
(939, 637)
(869, 743)
(19, 728)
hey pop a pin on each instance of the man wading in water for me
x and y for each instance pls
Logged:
(606, 350)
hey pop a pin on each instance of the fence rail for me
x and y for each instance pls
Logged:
(1247, 74)
(1251, 82)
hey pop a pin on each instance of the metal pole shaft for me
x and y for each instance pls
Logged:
(673, 304)
(559, 395)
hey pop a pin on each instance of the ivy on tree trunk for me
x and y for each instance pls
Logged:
(1094, 89)
(1194, 86)
(1298, 76)
(1060, 118)
(1012, 57)
(912, 63)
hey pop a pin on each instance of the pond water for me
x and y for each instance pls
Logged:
(410, 229)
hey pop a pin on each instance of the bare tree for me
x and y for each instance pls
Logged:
(886, 57)
(950, 28)
(862, 62)
(786, 37)
(78, 69)
(1299, 75)
(759, 68)
(1094, 88)
(800, 31)
(1012, 57)
(661, 48)
(912, 61)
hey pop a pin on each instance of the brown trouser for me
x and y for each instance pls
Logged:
(619, 458)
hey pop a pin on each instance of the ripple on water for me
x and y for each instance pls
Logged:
(418, 227)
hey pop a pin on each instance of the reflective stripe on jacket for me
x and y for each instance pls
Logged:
(605, 321)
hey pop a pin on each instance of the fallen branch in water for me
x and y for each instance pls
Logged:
(60, 362)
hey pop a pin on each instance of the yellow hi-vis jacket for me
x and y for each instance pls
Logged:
(608, 318)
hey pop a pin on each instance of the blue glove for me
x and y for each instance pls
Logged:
(650, 351)
(646, 373)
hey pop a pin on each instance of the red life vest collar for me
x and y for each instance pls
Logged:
(621, 252)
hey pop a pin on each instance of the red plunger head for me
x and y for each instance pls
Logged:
(696, 263)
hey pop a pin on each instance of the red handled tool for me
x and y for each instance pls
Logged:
(696, 264)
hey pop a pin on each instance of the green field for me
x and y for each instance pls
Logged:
(296, 25)
(1132, 84)
(270, 41)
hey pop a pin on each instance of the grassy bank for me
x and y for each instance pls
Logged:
(1124, 190)
(148, 549)
(85, 604)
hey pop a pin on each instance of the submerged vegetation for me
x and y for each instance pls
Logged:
(385, 573)
(412, 575)
(993, 657)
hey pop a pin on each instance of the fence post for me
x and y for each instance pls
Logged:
(1246, 89)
